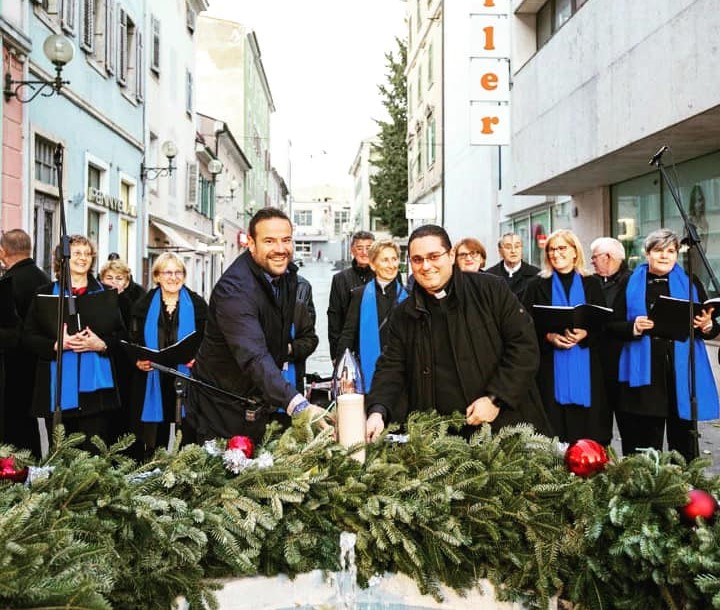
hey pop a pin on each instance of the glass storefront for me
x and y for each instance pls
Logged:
(644, 204)
(533, 228)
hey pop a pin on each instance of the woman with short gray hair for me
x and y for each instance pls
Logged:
(653, 369)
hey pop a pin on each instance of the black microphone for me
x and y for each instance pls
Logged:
(656, 157)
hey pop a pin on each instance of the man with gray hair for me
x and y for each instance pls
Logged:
(515, 271)
(608, 260)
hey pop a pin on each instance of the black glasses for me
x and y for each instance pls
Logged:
(473, 255)
(434, 257)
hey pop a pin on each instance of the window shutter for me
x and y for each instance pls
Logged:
(189, 92)
(68, 16)
(87, 36)
(191, 185)
(110, 37)
(122, 47)
(139, 67)
(155, 49)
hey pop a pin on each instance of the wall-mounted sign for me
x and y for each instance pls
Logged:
(114, 204)
(489, 124)
(489, 80)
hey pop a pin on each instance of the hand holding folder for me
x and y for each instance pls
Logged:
(180, 352)
(671, 316)
(558, 318)
(96, 310)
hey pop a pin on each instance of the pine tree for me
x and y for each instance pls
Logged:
(389, 185)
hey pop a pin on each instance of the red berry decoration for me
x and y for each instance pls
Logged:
(9, 471)
(243, 443)
(585, 457)
(700, 504)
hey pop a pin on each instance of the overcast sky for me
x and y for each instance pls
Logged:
(324, 60)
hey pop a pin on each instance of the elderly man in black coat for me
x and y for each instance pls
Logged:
(247, 341)
(17, 426)
(460, 342)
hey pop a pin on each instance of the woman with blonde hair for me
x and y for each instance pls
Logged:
(570, 375)
(365, 326)
(166, 314)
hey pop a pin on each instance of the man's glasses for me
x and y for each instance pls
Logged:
(598, 255)
(561, 249)
(465, 255)
(434, 257)
(169, 274)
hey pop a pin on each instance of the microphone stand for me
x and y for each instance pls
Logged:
(252, 407)
(692, 240)
(64, 285)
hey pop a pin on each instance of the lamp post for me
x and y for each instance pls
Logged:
(59, 51)
(168, 149)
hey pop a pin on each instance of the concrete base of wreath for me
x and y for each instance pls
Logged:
(318, 590)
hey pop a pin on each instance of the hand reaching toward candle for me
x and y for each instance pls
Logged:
(374, 427)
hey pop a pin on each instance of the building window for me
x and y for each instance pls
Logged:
(94, 181)
(430, 65)
(419, 86)
(207, 197)
(155, 48)
(69, 10)
(188, 92)
(341, 221)
(130, 52)
(430, 140)
(44, 161)
(552, 16)
(93, 225)
(303, 218)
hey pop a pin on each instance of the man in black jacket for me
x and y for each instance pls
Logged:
(358, 274)
(19, 428)
(247, 340)
(460, 342)
(515, 271)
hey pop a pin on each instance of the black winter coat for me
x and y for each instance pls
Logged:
(243, 351)
(137, 335)
(519, 280)
(572, 422)
(483, 311)
(342, 285)
(41, 345)
(17, 364)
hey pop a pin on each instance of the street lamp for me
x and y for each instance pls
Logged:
(60, 51)
(233, 186)
(168, 149)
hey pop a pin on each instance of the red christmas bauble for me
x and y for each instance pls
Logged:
(9, 471)
(585, 457)
(243, 443)
(700, 504)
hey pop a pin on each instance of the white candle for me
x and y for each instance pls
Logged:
(351, 422)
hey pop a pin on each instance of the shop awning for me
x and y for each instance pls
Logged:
(176, 241)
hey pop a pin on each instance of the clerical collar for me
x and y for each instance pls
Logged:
(511, 270)
(441, 294)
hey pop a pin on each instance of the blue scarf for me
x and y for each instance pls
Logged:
(370, 330)
(82, 372)
(572, 366)
(153, 406)
(634, 366)
(288, 372)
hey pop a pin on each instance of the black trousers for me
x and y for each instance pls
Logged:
(638, 431)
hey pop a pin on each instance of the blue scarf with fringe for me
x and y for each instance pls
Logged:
(634, 366)
(571, 366)
(153, 405)
(82, 372)
(370, 330)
